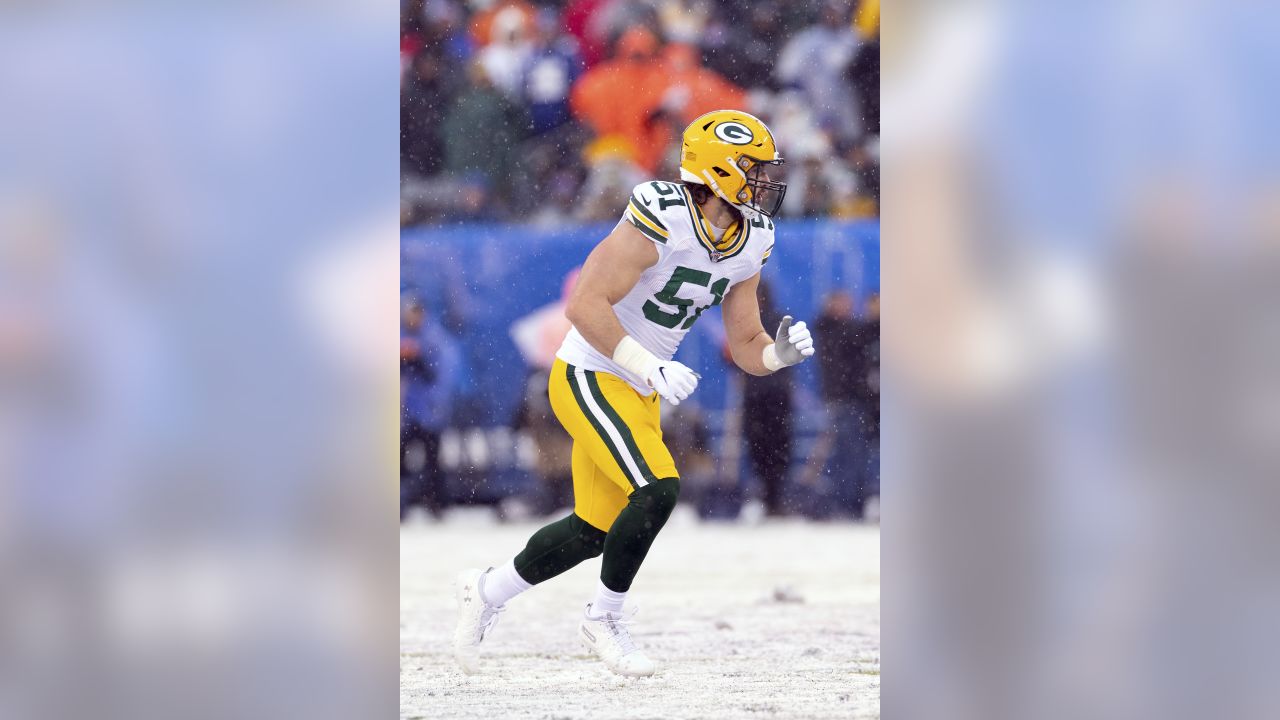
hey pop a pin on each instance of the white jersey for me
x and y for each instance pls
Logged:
(690, 276)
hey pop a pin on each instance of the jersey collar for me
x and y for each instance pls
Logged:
(735, 238)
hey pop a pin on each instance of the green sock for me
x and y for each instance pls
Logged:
(557, 547)
(633, 532)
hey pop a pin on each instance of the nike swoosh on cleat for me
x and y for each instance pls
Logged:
(587, 632)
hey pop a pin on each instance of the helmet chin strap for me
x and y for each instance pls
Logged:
(711, 183)
(748, 212)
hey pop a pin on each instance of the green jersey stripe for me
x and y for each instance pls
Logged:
(636, 202)
(647, 231)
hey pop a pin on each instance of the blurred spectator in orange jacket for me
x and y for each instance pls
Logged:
(482, 21)
(622, 96)
(689, 90)
(692, 89)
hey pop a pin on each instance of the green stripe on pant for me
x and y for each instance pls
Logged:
(571, 376)
(627, 438)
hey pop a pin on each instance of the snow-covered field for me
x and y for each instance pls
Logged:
(780, 619)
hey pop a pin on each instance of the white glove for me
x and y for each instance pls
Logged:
(672, 380)
(791, 345)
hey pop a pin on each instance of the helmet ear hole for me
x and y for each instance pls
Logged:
(720, 171)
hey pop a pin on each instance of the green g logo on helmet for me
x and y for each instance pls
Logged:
(734, 133)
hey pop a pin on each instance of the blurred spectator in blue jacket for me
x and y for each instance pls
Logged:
(428, 367)
(554, 67)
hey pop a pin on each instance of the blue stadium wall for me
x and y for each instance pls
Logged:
(480, 278)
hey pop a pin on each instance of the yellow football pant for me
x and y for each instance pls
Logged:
(617, 442)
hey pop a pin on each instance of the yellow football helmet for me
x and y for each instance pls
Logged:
(729, 151)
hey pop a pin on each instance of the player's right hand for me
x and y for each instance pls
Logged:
(673, 381)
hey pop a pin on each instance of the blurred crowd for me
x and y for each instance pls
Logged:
(553, 111)
(785, 458)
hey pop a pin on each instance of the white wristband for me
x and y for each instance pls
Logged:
(770, 358)
(631, 356)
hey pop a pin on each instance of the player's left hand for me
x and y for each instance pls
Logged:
(674, 381)
(793, 343)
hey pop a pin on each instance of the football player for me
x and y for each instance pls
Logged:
(679, 249)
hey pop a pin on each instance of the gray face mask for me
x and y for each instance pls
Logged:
(766, 195)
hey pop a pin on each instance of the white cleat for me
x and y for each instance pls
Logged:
(475, 619)
(610, 640)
